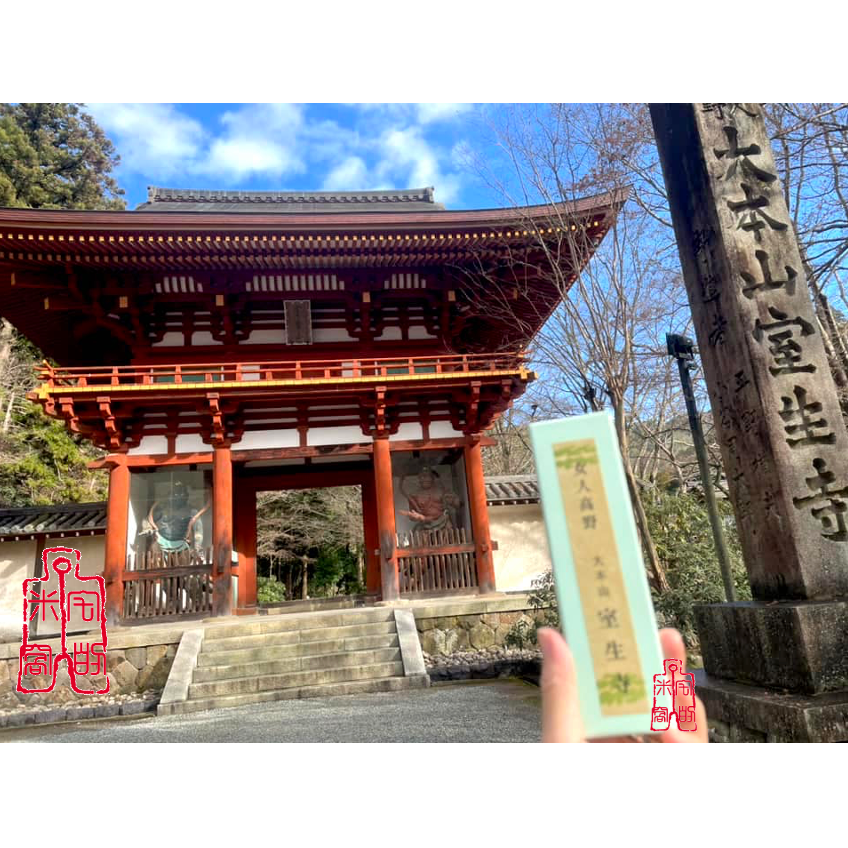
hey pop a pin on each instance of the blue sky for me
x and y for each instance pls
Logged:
(298, 147)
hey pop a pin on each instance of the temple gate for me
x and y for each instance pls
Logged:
(217, 344)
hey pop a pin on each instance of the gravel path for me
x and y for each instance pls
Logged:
(484, 711)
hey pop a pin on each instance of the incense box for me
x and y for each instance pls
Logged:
(602, 589)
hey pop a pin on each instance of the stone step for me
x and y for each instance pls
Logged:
(290, 664)
(291, 637)
(329, 690)
(319, 605)
(304, 621)
(293, 680)
(298, 649)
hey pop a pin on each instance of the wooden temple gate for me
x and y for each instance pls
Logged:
(314, 338)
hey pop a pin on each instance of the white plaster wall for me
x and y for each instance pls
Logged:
(150, 445)
(192, 444)
(522, 551)
(259, 439)
(390, 334)
(406, 432)
(173, 339)
(331, 334)
(17, 562)
(443, 430)
(336, 436)
(417, 331)
(204, 338)
(266, 337)
(92, 556)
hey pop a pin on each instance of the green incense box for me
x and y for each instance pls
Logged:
(604, 601)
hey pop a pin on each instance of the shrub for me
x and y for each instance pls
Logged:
(681, 530)
(542, 598)
(269, 590)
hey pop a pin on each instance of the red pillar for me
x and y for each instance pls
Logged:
(479, 516)
(117, 512)
(384, 493)
(372, 539)
(245, 529)
(222, 530)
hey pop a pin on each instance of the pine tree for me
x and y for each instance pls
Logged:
(52, 156)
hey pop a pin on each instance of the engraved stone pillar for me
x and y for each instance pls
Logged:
(783, 439)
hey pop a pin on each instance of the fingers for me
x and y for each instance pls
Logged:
(674, 648)
(561, 720)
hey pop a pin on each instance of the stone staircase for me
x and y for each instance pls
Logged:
(294, 656)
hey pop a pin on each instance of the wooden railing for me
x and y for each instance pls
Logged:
(436, 561)
(326, 369)
(167, 585)
(157, 560)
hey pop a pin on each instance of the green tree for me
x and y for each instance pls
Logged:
(54, 156)
(312, 540)
(681, 528)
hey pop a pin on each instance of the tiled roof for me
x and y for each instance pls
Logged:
(512, 489)
(85, 519)
(204, 200)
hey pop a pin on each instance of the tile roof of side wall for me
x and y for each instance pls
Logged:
(57, 520)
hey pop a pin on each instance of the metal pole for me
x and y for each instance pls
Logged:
(682, 349)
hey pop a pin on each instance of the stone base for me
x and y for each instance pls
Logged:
(801, 646)
(740, 713)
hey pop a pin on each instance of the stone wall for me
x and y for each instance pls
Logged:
(447, 628)
(723, 732)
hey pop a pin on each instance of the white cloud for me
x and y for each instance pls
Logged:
(351, 174)
(428, 113)
(406, 156)
(389, 146)
(257, 140)
(150, 137)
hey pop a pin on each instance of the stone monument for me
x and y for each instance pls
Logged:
(776, 668)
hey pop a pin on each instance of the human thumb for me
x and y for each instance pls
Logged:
(561, 721)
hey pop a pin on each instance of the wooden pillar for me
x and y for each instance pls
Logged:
(245, 529)
(117, 512)
(479, 515)
(222, 530)
(372, 539)
(387, 534)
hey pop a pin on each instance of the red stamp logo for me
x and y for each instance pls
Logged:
(66, 597)
(675, 691)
